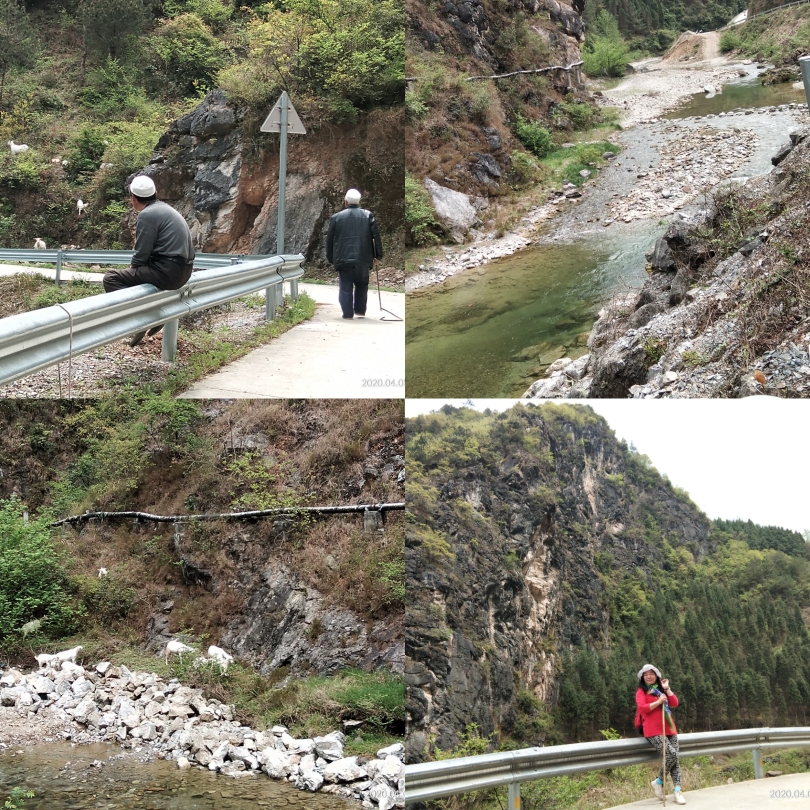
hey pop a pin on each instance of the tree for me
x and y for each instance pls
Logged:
(33, 583)
(190, 55)
(16, 39)
(109, 24)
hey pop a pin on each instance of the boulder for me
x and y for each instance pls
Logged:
(453, 209)
(345, 770)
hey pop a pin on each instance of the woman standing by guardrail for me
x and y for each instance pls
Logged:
(652, 693)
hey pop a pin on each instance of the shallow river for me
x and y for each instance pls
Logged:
(472, 335)
(64, 778)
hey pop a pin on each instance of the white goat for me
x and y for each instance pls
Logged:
(17, 148)
(57, 161)
(80, 206)
(220, 656)
(39, 244)
(102, 572)
(177, 647)
(43, 659)
(68, 655)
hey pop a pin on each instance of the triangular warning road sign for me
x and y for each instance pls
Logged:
(273, 121)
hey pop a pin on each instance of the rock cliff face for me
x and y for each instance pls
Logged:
(505, 540)
(222, 176)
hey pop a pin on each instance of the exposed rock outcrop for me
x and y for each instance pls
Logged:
(222, 176)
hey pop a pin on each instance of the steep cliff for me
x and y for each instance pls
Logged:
(527, 533)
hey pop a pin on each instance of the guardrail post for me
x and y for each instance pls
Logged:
(294, 289)
(804, 64)
(270, 302)
(58, 267)
(514, 796)
(168, 346)
(758, 771)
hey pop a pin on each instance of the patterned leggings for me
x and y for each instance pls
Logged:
(673, 764)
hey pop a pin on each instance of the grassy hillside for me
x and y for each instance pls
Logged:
(181, 457)
(95, 83)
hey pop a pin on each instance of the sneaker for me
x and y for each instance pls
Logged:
(347, 317)
(658, 788)
(359, 314)
(154, 330)
(679, 799)
(137, 338)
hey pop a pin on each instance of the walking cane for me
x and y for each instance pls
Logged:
(379, 295)
(664, 754)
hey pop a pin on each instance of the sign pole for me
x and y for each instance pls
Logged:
(282, 119)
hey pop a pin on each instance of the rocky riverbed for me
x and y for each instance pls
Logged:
(641, 98)
(706, 328)
(143, 712)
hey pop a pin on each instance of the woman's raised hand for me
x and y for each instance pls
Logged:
(665, 684)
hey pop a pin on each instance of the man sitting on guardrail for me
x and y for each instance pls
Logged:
(164, 250)
(353, 245)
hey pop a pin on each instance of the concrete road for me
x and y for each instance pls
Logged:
(774, 792)
(50, 272)
(323, 357)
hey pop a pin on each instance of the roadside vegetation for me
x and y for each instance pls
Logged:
(781, 36)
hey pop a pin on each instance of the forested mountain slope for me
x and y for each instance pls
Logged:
(546, 561)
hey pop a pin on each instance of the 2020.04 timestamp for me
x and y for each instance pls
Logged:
(383, 382)
(787, 793)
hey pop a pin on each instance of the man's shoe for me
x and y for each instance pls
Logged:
(154, 330)
(359, 314)
(679, 799)
(347, 317)
(137, 338)
(659, 789)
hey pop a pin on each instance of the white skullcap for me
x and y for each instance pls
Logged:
(142, 186)
(647, 668)
(353, 196)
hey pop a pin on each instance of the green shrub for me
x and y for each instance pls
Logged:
(582, 115)
(189, 56)
(729, 41)
(110, 93)
(106, 600)
(420, 221)
(33, 583)
(85, 150)
(214, 13)
(606, 57)
(535, 138)
(415, 107)
(524, 169)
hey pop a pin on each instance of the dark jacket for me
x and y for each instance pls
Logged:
(353, 239)
(162, 233)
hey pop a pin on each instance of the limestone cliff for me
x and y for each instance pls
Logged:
(222, 175)
(511, 520)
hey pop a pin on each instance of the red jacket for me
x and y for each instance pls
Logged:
(651, 720)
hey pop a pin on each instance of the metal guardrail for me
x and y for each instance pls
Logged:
(432, 780)
(32, 341)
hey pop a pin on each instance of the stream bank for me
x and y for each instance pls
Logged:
(158, 719)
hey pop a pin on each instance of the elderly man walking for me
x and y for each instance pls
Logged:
(164, 250)
(353, 247)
